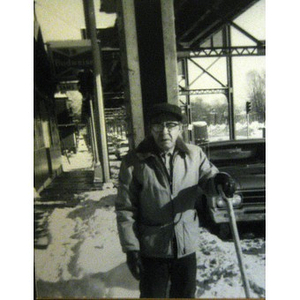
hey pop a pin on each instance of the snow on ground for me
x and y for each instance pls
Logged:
(220, 132)
(218, 271)
(84, 252)
(81, 160)
(84, 258)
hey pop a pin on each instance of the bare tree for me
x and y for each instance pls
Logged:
(211, 112)
(257, 93)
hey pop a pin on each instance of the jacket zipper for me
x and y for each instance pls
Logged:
(169, 180)
(165, 173)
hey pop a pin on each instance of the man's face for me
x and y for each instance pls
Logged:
(165, 130)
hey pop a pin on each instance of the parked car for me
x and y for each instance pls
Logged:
(121, 149)
(244, 160)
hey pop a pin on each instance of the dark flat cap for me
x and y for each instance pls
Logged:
(166, 109)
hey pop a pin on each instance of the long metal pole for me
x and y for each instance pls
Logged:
(188, 98)
(99, 96)
(247, 126)
(227, 41)
(237, 242)
(93, 134)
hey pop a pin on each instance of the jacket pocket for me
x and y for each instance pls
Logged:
(156, 241)
(190, 234)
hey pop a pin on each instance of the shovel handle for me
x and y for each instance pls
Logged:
(236, 239)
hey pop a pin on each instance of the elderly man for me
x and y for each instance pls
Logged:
(159, 185)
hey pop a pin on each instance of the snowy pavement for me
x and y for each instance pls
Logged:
(84, 257)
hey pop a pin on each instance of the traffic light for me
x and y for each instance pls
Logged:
(248, 106)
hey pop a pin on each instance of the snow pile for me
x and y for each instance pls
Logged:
(255, 130)
(218, 132)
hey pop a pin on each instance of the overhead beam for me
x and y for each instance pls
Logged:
(193, 26)
(224, 51)
(194, 92)
(244, 32)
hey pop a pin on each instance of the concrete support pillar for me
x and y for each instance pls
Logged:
(170, 53)
(148, 31)
(131, 71)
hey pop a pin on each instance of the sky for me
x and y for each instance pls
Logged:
(63, 19)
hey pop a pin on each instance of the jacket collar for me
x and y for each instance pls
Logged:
(148, 148)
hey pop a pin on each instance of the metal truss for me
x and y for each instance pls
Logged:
(194, 92)
(224, 51)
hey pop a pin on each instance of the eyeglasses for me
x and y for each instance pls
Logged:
(160, 126)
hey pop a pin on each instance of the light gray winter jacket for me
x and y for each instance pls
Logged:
(151, 208)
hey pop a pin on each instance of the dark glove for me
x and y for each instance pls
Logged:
(134, 263)
(227, 183)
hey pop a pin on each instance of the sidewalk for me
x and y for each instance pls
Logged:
(77, 177)
(77, 249)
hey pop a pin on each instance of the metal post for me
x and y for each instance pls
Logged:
(188, 98)
(91, 133)
(99, 107)
(238, 249)
(237, 242)
(227, 43)
(247, 125)
(98, 172)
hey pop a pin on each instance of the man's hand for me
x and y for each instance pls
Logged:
(134, 263)
(227, 183)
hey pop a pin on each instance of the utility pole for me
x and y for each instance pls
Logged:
(99, 103)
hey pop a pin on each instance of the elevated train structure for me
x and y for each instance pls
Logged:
(142, 56)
